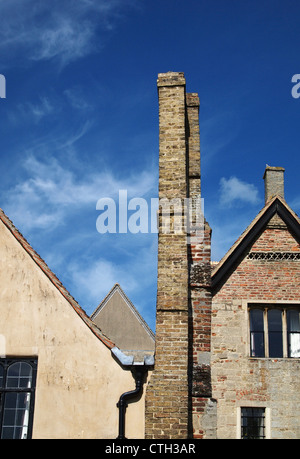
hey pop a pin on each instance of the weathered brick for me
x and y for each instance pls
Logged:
(183, 315)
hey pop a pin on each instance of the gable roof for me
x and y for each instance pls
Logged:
(276, 205)
(117, 290)
(55, 281)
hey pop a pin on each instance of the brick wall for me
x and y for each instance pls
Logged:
(237, 379)
(203, 407)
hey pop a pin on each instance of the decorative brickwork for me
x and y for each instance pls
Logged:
(271, 256)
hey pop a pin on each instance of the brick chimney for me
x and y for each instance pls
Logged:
(167, 391)
(274, 182)
(183, 306)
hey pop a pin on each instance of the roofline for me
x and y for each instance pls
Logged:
(276, 205)
(129, 304)
(54, 280)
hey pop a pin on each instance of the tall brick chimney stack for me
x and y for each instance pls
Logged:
(274, 182)
(180, 383)
(167, 392)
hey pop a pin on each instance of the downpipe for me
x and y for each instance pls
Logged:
(138, 372)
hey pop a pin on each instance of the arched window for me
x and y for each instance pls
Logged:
(17, 388)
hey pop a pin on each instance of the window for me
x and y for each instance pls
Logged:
(257, 337)
(274, 331)
(253, 423)
(293, 330)
(17, 388)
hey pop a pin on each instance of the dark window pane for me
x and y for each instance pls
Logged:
(293, 329)
(275, 333)
(253, 423)
(274, 320)
(1, 375)
(257, 340)
(9, 417)
(257, 320)
(293, 320)
(19, 376)
(11, 399)
(257, 344)
(16, 415)
(7, 433)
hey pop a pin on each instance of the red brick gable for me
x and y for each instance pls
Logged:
(276, 238)
(273, 236)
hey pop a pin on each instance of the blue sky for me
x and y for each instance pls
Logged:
(80, 122)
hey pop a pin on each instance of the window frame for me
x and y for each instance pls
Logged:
(262, 417)
(284, 307)
(6, 363)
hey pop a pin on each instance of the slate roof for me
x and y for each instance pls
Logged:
(55, 281)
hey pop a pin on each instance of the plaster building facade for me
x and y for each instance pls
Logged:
(60, 376)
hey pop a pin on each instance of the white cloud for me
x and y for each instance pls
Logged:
(93, 276)
(95, 280)
(295, 203)
(34, 111)
(67, 39)
(61, 29)
(234, 190)
(77, 99)
(52, 192)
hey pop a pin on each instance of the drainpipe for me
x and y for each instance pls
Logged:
(139, 372)
(138, 369)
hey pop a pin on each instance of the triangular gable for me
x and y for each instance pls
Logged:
(55, 281)
(275, 206)
(106, 302)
